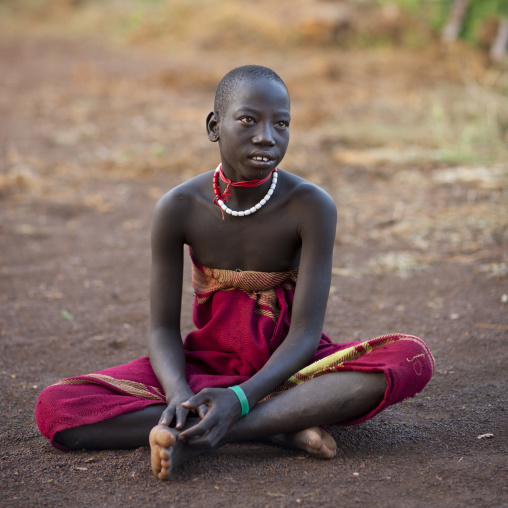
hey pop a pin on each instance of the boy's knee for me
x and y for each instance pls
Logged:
(380, 383)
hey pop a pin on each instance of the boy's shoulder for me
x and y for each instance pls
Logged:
(185, 193)
(302, 192)
(302, 198)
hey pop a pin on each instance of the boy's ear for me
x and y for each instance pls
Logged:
(212, 126)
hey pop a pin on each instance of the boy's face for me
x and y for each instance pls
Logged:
(254, 129)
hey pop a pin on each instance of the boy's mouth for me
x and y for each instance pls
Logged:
(262, 160)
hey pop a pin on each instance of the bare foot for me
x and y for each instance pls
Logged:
(162, 439)
(314, 440)
(167, 452)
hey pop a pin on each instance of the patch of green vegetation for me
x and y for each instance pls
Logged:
(436, 13)
(66, 315)
(480, 11)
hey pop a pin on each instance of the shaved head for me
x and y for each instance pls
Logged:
(229, 83)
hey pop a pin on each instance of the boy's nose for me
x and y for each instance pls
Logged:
(263, 135)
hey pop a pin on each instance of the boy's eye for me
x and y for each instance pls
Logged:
(282, 124)
(247, 119)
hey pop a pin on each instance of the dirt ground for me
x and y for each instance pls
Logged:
(93, 134)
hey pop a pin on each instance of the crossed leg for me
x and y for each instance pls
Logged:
(291, 419)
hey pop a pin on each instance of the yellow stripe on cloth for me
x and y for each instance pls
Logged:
(336, 360)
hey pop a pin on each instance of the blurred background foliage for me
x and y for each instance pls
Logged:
(464, 120)
(481, 18)
(408, 132)
(346, 23)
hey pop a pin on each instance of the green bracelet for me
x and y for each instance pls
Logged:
(242, 398)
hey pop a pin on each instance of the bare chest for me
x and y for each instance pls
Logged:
(265, 241)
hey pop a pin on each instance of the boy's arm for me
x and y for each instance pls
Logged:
(317, 217)
(165, 346)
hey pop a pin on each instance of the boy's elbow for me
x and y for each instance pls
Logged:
(306, 349)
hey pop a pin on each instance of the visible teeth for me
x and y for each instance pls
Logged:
(264, 159)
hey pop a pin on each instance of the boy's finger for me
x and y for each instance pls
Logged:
(167, 416)
(206, 441)
(181, 417)
(202, 410)
(197, 430)
(195, 401)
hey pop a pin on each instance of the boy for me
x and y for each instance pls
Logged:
(254, 368)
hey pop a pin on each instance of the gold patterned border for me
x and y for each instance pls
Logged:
(131, 387)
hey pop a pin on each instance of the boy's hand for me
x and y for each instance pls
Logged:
(175, 412)
(222, 411)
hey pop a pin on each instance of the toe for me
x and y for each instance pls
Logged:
(163, 475)
(328, 453)
(314, 441)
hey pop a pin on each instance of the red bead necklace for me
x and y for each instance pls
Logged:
(222, 197)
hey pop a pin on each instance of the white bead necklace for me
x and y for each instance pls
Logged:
(249, 211)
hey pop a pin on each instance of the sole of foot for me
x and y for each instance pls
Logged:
(162, 440)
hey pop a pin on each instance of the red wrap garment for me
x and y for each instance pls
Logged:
(241, 318)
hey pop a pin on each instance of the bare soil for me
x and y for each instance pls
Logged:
(92, 135)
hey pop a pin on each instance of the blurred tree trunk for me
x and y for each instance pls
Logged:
(454, 24)
(498, 48)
